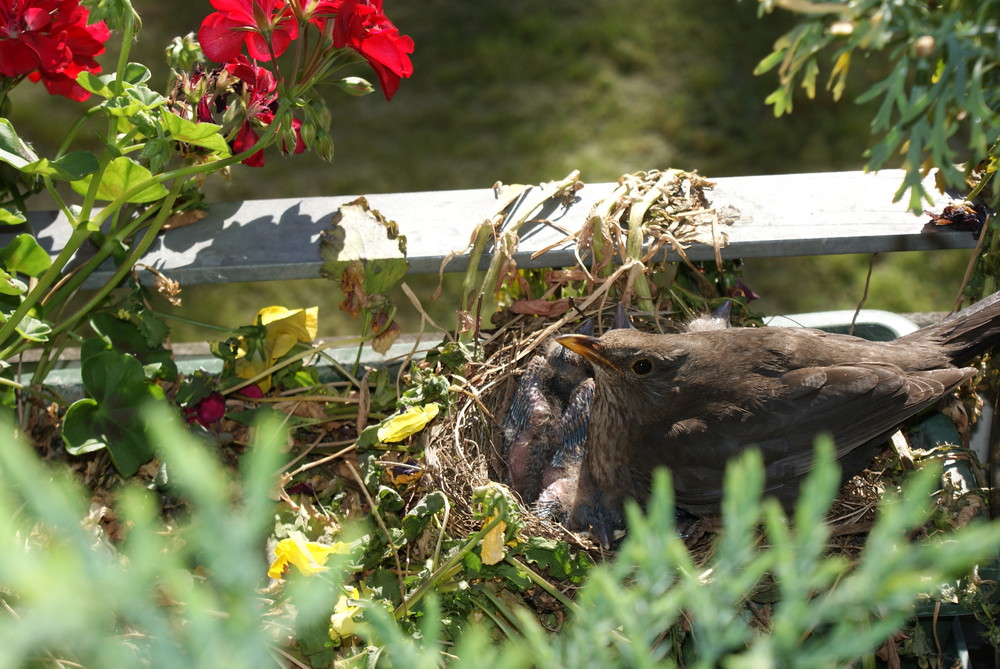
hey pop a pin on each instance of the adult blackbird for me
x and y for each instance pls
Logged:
(691, 401)
(544, 431)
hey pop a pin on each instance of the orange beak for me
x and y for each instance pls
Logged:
(589, 347)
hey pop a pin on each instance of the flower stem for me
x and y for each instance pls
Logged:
(136, 253)
(77, 237)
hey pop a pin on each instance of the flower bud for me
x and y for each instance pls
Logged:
(184, 52)
(355, 86)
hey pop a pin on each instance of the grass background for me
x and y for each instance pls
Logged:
(522, 91)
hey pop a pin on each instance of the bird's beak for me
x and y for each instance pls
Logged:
(589, 347)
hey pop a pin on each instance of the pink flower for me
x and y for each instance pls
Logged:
(264, 25)
(361, 25)
(50, 41)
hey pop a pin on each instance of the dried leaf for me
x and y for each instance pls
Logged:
(541, 307)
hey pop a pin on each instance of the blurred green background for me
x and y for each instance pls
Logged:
(524, 92)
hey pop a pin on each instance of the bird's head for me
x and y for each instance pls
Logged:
(635, 364)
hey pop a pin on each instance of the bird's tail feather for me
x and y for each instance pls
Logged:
(967, 333)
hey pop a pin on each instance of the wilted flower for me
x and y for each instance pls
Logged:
(342, 621)
(408, 423)
(208, 410)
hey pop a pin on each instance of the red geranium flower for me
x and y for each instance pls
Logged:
(49, 40)
(317, 11)
(261, 99)
(361, 25)
(258, 23)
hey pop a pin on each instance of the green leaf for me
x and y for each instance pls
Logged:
(10, 285)
(76, 165)
(769, 62)
(95, 84)
(135, 99)
(13, 151)
(136, 73)
(34, 329)
(108, 374)
(199, 134)
(24, 254)
(8, 217)
(416, 519)
(121, 175)
(77, 423)
(111, 417)
(144, 341)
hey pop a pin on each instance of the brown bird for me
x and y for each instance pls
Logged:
(544, 431)
(691, 401)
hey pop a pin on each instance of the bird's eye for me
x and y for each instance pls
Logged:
(642, 366)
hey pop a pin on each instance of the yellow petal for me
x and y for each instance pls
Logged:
(303, 323)
(247, 369)
(341, 622)
(409, 422)
(493, 548)
(308, 556)
(285, 327)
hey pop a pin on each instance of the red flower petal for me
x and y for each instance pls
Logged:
(219, 38)
(223, 33)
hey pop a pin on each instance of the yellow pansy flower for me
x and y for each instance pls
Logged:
(308, 556)
(283, 329)
(342, 622)
(409, 422)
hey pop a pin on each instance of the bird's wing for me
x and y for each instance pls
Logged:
(526, 431)
(855, 404)
(573, 428)
(852, 403)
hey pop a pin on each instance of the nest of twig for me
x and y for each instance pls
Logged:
(667, 209)
(464, 451)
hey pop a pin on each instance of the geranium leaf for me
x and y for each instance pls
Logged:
(8, 217)
(76, 165)
(24, 254)
(76, 432)
(95, 84)
(135, 99)
(33, 329)
(121, 175)
(200, 134)
(108, 373)
(10, 285)
(136, 73)
(13, 151)
(111, 418)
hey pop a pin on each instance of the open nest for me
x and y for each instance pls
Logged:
(464, 452)
(673, 210)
